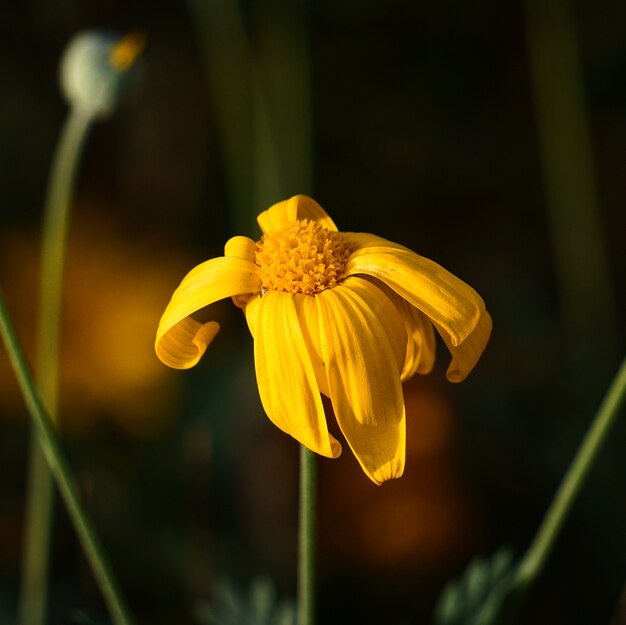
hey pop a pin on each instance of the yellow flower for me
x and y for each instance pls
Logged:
(347, 315)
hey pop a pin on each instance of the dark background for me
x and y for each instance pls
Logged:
(422, 128)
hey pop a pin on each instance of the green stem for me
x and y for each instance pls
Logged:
(224, 41)
(39, 504)
(62, 474)
(54, 244)
(306, 539)
(540, 549)
(581, 262)
(283, 161)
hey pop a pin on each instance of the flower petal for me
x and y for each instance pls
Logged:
(289, 211)
(240, 247)
(446, 299)
(181, 341)
(251, 310)
(466, 355)
(363, 345)
(420, 346)
(309, 322)
(185, 343)
(285, 375)
(359, 240)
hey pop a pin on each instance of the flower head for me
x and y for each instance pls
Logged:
(350, 316)
(94, 69)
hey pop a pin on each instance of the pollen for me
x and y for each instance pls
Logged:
(302, 258)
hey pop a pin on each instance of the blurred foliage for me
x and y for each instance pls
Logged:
(475, 598)
(233, 606)
(80, 617)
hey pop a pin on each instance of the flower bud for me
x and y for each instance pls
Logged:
(95, 68)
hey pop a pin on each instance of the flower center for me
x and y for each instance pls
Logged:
(302, 258)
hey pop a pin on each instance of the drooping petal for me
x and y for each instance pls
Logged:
(363, 346)
(181, 341)
(289, 211)
(466, 355)
(420, 346)
(360, 240)
(240, 247)
(443, 297)
(309, 322)
(285, 375)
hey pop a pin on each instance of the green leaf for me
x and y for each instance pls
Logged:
(476, 597)
(232, 605)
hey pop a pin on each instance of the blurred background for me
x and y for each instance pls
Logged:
(489, 136)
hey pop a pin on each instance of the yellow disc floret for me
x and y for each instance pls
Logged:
(302, 258)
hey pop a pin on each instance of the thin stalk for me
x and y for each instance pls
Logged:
(575, 219)
(306, 539)
(283, 124)
(544, 541)
(62, 474)
(39, 504)
(265, 136)
(224, 43)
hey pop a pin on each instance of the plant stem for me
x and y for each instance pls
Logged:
(581, 262)
(229, 68)
(62, 474)
(536, 556)
(39, 504)
(306, 540)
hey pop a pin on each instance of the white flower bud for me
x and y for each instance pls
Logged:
(95, 67)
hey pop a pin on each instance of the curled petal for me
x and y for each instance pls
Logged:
(181, 341)
(289, 211)
(245, 248)
(363, 346)
(240, 247)
(466, 355)
(443, 297)
(186, 342)
(285, 375)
